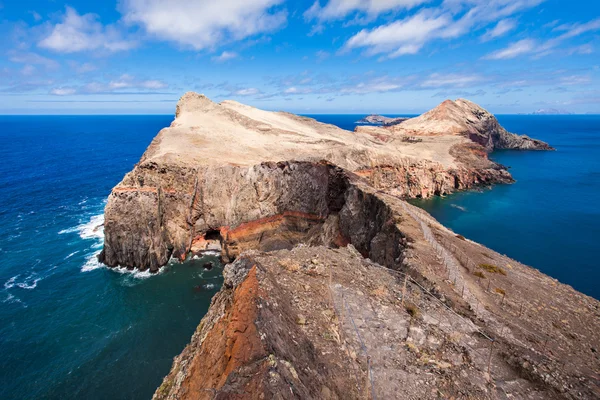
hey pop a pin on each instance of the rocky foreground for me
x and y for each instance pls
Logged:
(337, 288)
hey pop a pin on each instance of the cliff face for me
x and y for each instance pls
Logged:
(465, 118)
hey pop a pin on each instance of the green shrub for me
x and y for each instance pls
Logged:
(412, 310)
(492, 269)
(479, 274)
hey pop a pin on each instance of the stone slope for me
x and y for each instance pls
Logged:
(322, 323)
(465, 118)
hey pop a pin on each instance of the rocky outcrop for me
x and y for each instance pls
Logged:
(322, 323)
(465, 118)
(376, 119)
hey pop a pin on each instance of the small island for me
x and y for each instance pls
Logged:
(375, 119)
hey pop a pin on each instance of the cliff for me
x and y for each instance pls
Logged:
(336, 287)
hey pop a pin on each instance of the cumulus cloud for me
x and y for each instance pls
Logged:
(337, 9)
(76, 33)
(525, 46)
(202, 24)
(405, 36)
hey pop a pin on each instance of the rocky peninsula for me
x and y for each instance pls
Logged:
(336, 288)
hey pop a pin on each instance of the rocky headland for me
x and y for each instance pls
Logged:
(336, 288)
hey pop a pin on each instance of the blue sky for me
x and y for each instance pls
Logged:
(328, 56)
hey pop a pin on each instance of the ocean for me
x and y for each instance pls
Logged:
(74, 329)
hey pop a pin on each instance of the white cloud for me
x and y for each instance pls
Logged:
(572, 30)
(454, 18)
(153, 84)
(28, 70)
(247, 92)
(32, 58)
(375, 85)
(82, 68)
(202, 24)
(297, 90)
(405, 36)
(129, 82)
(575, 80)
(37, 17)
(450, 80)
(124, 84)
(322, 55)
(337, 9)
(502, 27)
(583, 49)
(225, 56)
(84, 33)
(525, 46)
(63, 91)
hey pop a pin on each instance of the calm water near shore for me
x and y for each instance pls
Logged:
(73, 329)
(550, 218)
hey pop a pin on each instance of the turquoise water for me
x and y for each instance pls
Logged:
(550, 218)
(73, 329)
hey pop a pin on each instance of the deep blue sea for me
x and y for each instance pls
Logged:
(73, 329)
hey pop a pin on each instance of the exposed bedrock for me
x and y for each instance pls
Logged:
(465, 118)
(157, 213)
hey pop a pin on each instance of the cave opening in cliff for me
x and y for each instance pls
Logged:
(213, 234)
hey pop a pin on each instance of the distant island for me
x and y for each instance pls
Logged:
(550, 111)
(376, 119)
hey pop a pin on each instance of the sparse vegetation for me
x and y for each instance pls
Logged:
(412, 310)
(289, 265)
(479, 274)
(493, 269)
